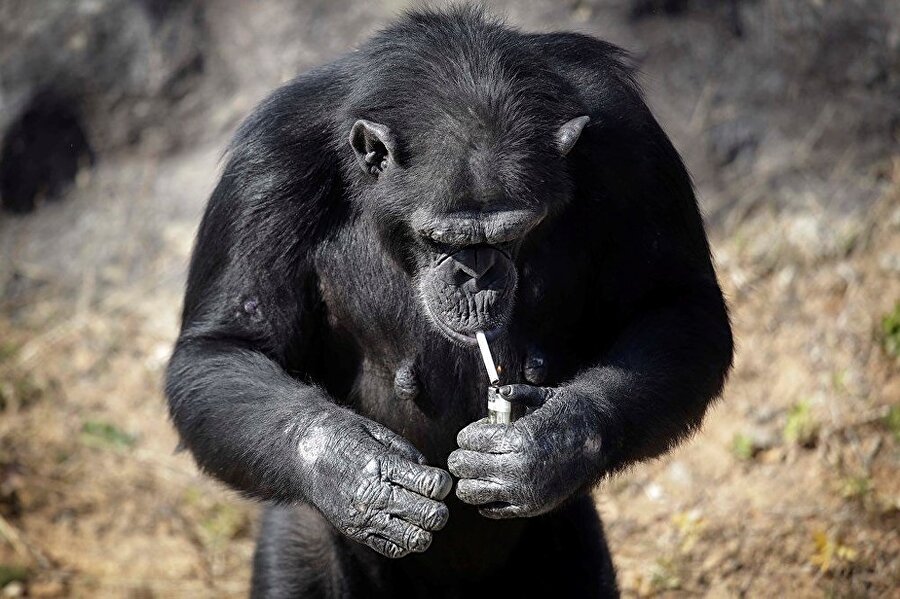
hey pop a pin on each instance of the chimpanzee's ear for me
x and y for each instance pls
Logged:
(374, 146)
(569, 133)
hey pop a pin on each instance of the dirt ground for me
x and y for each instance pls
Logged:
(787, 114)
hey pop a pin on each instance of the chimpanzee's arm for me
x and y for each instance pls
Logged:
(249, 313)
(650, 389)
(673, 346)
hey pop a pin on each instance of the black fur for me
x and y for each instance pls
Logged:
(313, 370)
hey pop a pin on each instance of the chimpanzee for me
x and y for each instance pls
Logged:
(452, 175)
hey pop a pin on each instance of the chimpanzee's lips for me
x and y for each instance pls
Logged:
(467, 339)
(469, 290)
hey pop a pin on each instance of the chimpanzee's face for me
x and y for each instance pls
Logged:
(466, 276)
(456, 214)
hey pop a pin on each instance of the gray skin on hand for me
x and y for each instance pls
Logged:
(533, 465)
(373, 485)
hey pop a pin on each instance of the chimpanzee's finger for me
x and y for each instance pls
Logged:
(395, 443)
(480, 492)
(394, 538)
(385, 547)
(415, 509)
(463, 463)
(502, 511)
(401, 533)
(527, 395)
(424, 480)
(490, 438)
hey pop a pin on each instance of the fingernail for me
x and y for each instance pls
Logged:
(506, 390)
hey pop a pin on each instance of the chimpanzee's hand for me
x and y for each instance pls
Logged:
(372, 484)
(531, 466)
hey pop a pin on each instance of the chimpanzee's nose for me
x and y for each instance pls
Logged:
(475, 261)
(477, 268)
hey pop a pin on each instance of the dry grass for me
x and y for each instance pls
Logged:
(792, 487)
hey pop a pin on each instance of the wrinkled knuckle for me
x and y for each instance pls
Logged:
(421, 541)
(469, 436)
(427, 516)
(387, 467)
(496, 435)
(440, 484)
(379, 546)
(373, 466)
(453, 462)
(462, 493)
(367, 519)
(410, 538)
(391, 494)
(436, 517)
(352, 531)
(368, 493)
(408, 471)
(415, 539)
(512, 440)
(433, 482)
(425, 481)
(527, 433)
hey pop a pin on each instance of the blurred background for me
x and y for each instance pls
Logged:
(113, 116)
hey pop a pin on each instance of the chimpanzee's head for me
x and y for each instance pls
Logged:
(463, 155)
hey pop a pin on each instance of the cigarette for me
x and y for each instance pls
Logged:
(487, 358)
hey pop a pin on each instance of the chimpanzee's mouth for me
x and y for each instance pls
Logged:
(467, 339)
(468, 290)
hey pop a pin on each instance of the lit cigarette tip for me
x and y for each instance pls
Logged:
(487, 358)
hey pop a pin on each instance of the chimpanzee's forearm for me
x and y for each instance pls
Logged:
(271, 437)
(656, 382)
(242, 416)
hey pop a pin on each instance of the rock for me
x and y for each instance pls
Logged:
(84, 76)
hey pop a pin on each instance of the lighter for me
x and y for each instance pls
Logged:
(499, 410)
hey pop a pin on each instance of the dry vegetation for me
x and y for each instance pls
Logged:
(793, 486)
